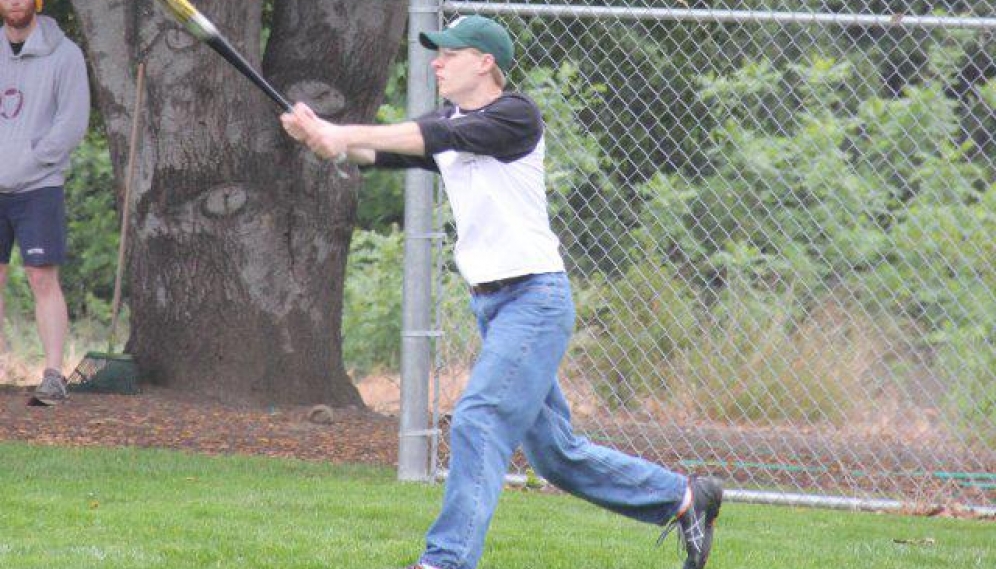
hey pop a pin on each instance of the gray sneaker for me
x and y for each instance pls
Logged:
(695, 525)
(52, 389)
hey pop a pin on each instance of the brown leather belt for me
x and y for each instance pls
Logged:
(494, 286)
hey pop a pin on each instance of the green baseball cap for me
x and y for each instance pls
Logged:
(478, 32)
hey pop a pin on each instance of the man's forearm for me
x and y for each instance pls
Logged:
(361, 156)
(401, 138)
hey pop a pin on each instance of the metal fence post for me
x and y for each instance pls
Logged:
(414, 429)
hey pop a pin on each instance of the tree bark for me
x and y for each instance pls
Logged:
(239, 235)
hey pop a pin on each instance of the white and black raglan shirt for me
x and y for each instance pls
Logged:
(491, 161)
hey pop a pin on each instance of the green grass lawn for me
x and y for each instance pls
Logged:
(123, 508)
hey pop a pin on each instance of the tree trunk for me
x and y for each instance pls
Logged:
(239, 235)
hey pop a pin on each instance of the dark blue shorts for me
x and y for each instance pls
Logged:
(37, 221)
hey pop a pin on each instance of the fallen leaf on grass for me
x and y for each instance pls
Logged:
(916, 541)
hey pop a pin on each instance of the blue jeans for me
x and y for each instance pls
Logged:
(513, 398)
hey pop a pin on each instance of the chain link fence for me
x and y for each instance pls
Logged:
(780, 223)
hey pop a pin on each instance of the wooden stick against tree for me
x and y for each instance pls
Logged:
(126, 205)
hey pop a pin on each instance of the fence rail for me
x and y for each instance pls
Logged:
(624, 13)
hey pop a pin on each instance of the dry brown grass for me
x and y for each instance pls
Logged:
(16, 371)
(21, 358)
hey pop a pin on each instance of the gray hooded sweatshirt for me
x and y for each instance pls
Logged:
(44, 108)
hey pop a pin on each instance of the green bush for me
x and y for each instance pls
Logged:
(381, 201)
(746, 356)
(625, 362)
(94, 227)
(371, 316)
(589, 211)
(809, 245)
(372, 302)
(942, 274)
(966, 359)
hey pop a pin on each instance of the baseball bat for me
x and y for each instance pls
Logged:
(202, 28)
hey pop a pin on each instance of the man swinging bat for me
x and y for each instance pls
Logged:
(488, 145)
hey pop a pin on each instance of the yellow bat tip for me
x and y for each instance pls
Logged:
(181, 9)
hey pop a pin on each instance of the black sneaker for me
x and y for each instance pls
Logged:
(695, 524)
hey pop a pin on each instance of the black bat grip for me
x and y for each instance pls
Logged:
(225, 49)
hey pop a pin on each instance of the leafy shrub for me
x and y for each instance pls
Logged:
(648, 339)
(381, 203)
(589, 211)
(810, 244)
(371, 316)
(372, 303)
(966, 358)
(629, 328)
(94, 226)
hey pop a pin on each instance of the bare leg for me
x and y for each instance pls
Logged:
(51, 313)
(3, 286)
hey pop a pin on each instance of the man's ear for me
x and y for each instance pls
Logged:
(489, 63)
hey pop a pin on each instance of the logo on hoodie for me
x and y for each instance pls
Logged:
(11, 102)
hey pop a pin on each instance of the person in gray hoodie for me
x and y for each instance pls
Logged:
(44, 113)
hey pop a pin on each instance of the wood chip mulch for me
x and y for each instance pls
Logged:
(160, 418)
